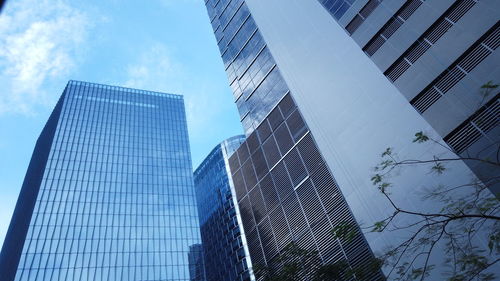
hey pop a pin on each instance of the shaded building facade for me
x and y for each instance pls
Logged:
(222, 235)
(196, 263)
(108, 194)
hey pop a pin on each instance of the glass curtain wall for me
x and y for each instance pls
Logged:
(115, 200)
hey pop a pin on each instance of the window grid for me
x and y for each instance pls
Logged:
(224, 249)
(110, 211)
(259, 89)
(256, 82)
(306, 202)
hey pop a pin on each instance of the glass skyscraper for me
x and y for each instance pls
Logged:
(224, 244)
(108, 194)
(196, 263)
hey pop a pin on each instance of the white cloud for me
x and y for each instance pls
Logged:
(40, 40)
(157, 69)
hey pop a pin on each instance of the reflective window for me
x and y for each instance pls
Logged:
(226, 259)
(337, 8)
(116, 201)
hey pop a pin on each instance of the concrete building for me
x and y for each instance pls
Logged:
(318, 113)
(438, 54)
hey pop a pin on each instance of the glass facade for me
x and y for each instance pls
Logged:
(254, 78)
(338, 8)
(285, 191)
(196, 263)
(109, 193)
(225, 250)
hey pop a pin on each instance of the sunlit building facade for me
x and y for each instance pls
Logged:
(317, 114)
(224, 244)
(108, 194)
(438, 54)
(285, 191)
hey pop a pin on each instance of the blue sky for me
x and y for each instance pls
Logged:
(160, 45)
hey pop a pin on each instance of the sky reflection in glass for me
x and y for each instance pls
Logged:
(116, 201)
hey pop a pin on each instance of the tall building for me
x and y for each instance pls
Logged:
(285, 191)
(109, 193)
(196, 263)
(438, 54)
(224, 244)
(317, 113)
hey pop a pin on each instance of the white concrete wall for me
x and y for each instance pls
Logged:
(352, 110)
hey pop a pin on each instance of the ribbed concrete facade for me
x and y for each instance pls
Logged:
(285, 191)
(438, 53)
(318, 113)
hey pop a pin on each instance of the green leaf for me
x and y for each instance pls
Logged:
(378, 226)
(345, 231)
(386, 163)
(487, 88)
(420, 137)
(383, 187)
(377, 178)
(438, 168)
(494, 242)
(489, 85)
(387, 152)
(329, 272)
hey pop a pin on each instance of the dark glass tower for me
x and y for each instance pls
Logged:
(108, 194)
(225, 249)
(285, 191)
(196, 263)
